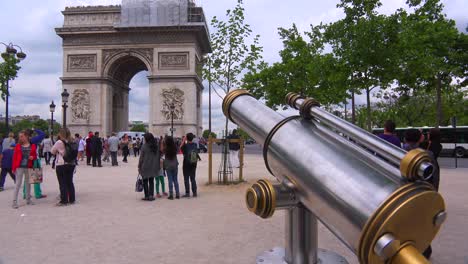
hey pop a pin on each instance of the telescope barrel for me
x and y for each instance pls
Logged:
(360, 198)
(391, 152)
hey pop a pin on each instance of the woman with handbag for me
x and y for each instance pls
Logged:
(23, 158)
(64, 169)
(148, 165)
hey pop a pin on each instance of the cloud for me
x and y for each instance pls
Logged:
(31, 24)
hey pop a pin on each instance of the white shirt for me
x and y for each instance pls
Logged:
(81, 145)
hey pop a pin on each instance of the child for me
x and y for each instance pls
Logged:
(160, 178)
(7, 161)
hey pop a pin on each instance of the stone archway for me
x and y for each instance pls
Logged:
(101, 55)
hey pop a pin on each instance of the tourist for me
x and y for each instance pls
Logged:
(46, 147)
(106, 150)
(189, 166)
(96, 150)
(36, 140)
(136, 146)
(148, 165)
(234, 148)
(64, 169)
(160, 181)
(88, 148)
(24, 156)
(113, 142)
(81, 148)
(389, 133)
(171, 166)
(413, 137)
(6, 143)
(433, 142)
(7, 162)
(124, 146)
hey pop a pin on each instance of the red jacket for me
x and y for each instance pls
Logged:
(18, 155)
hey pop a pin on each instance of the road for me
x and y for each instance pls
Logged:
(444, 162)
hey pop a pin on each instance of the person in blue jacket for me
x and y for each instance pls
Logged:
(7, 162)
(36, 140)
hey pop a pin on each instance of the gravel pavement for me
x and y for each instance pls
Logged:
(110, 224)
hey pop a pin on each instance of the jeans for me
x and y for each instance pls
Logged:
(173, 182)
(47, 156)
(65, 179)
(189, 174)
(136, 151)
(4, 174)
(148, 187)
(96, 159)
(114, 158)
(20, 173)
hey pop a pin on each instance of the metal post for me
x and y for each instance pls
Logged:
(301, 236)
(210, 159)
(7, 124)
(64, 106)
(52, 126)
(172, 123)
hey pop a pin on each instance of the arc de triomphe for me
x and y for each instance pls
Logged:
(105, 46)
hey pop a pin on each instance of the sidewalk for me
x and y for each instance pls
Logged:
(110, 224)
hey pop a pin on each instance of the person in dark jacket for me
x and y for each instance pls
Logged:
(96, 149)
(89, 147)
(149, 165)
(433, 142)
(189, 166)
(7, 162)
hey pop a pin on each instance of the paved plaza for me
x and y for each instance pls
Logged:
(110, 224)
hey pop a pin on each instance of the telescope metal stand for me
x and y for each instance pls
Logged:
(301, 242)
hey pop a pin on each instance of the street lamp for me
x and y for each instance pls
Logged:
(52, 110)
(9, 53)
(172, 107)
(65, 95)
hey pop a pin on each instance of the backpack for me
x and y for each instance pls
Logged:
(193, 157)
(71, 151)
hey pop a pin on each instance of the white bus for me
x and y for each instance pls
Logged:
(454, 140)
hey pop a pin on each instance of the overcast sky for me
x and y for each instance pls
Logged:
(30, 24)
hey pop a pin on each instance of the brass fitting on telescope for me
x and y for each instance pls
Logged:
(229, 98)
(264, 197)
(391, 236)
(291, 99)
(412, 166)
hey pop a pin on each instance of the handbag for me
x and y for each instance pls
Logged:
(139, 184)
(35, 173)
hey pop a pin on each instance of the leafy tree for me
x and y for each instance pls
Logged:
(303, 69)
(231, 54)
(138, 128)
(365, 43)
(432, 52)
(419, 109)
(206, 134)
(8, 71)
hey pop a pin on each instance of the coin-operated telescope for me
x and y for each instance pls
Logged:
(371, 194)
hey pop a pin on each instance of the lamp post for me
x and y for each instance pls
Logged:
(10, 52)
(172, 107)
(52, 110)
(65, 95)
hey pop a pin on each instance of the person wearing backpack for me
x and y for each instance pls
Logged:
(189, 166)
(66, 151)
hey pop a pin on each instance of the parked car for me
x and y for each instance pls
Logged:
(250, 141)
(202, 148)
